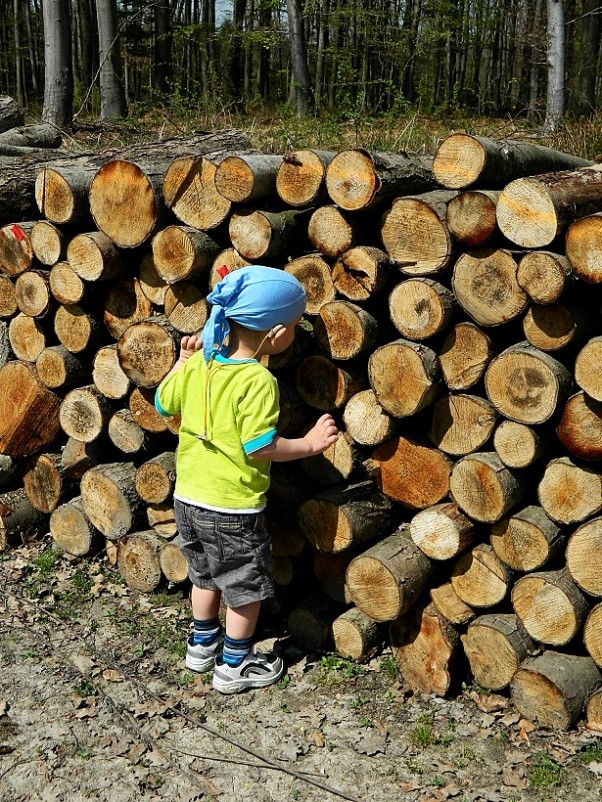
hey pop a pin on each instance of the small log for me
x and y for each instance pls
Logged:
(300, 180)
(27, 336)
(580, 427)
(85, 413)
(582, 241)
(243, 179)
(72, 531)
(450, 605)
(550, 606)
(551, 690)
(94, 257)
(66, 286)
(61, 192)
(142, 407)
(461, 423)
(16, 252)
(569, 493)
(315, 276)
(125, 434)
(147, 351)
(527, 539)
(593, 711)
(183, 252)
(326, 386)
(387, 579)
(332, 232)
(526, 384)
(544, 276)
(32, 293)
(420, 308)
(11, 115)
(483, 487)
(584, 557)
(185, 307)
(330, 571)
(162, 519)
(554, 326)
(107, 374)
(495, 646)
(344, 330)
(48, 243)
(425, 647)
(262, 235)
(110, 500)
(471, 219)
(310, 622)
(286, 535)
(413, 475)
(415, 234)
(173, 563)
(294, 413)
(78, 457)
(78, 330)
(357, 179)
(479, 578)
(464, 160)
(124, 305)
(532, 212)
(361, 273)
(8, 302)
(45, 482)
(464, 356)
(19, 519)
(587, 372)
(335, 465)
(366, 422)
(485, 285)
(229, 260)
(405, 377)
(189, 191)
(592, 634)
(153, 286)
(138, 561)
(442, 531)
(345, 518)
(156, 478)
(356, 636)
(517, 445)
(29, 412)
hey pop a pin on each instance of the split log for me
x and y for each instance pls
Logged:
(182, 252)
(544, 276)
(29, 412)
(59, 369)
(78, 330)
(357, 179)
(335, 465)
(189, 191)
(300, 180)
(153, 286)
(483, 487)
(185, 307)
(94, 257)
(569, 493)
(550, 606)
(326, 386)
(587, 371)
(361, 273)
(155, 479)
(464, 160)
(173, 563)
(162, 519)
(107, 374)
(16, 252)
(66, 286)
(8, 302)
(551, 690)
(78, 457)
(332, 232)
(124, 305)
(45, 482)
(413, 475)
(471, 219)
(10, 114)
(415, 234)
(342, 329)
(32, 293)
(27, 336)
(405, 377)
(442, 531)
(355, 635)
(19, 520)
(244, 179)
(110, 500)
(495, 646)
(125, 434)
(592, 634)
(310, 622)
(420, 308)
(580, 428)
(85, 413)
(450, 605)
(485, 285)
(464, 355)
(461, 423)
(532, 212)
(147, 351)
(330, 571)
(315, 276)
(345, 518)
(48, 243)
(138, 561)
(527, 539)
(584, 557)
(526, 384)
(72, 531)
(517, 445)
(386, 580)
(262, 235)
(366, 422)
(425, 647)
(479, 578)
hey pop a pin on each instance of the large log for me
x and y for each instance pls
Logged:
(78, 330)
(28, 336)
(471, 219)
(300, 180)
(147, 351)
(110, 499)
(174, 565)
(42, 135)
(332, 232)
(485, 285)
(185, 307)
(107, 374)
(479, 578)
(450, 605)
(183, 252)
(29, 412)
(555, 326)
(587, 372)
(483, 487)
(584, 557)
(527, 539)
(361, 273)
(569, 493)
(19, 519)
(366, 422)
(464, 355)
(94, 257)
(461, 423)
(263, 235)
(85, 413)
(155, 479)
(32, 293)
(189, 191)
(16, 251)
(66, 286)
(495, 646)
(582, 241)
(405, 376)
(247, 178)
(442, 531)
(125, 434)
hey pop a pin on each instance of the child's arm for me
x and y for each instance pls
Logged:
(282, 449)
(188, 347)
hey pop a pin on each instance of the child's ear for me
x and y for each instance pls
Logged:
(275, 331)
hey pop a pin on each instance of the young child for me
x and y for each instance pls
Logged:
(229, 410)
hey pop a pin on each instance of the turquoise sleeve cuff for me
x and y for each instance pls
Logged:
(159, 408)
(259, 442)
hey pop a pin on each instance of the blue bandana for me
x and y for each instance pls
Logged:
(257, 298)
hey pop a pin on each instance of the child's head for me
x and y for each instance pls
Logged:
(255, 297)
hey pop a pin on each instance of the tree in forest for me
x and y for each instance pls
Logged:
(555, 99)
(58, 78)
(162, 54)
(303, 95)
(112, 93)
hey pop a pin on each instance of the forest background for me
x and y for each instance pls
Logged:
(383, 74)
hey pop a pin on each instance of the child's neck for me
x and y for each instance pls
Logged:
(241, 346)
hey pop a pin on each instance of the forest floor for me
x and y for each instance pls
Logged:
(96, 703)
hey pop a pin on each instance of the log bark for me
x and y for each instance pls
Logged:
(544, 276)
(189, 191)
(155, 479)
(310, 622)
(66, 286)
(344, 330)
(94, 257)
(366, 422)
(332, 232)
(421, 308)
(386, 580)
(442, 531)
(526, 540)
(405, 377)
(300, 180)
(107, 374)
(182, 252)
(464, 355)
(72, 531)
(461, 423)
(326, 386)
(32, 293)
(495, 646)
(125, 434)
(517, 445)
(450, 605)
(173, 563)
(28, 336)
(471, 218)
(8, 302)
(335, 465)
(479, 578)
(569, 493)
(19, 520)
(78, 457)
(361, 273)
(85, 413)
(262, 235)
(78, 330)
(16, 251)
(61, 192)
(147, 351)
(29, 412)
(551, 690)
(485, 285)
(483, 487)
(592, 634)
(584, 557)
(593, 711)
(248, 178)
(464, 160)
(6, 353)
(355, 635)
(315, 276)
(587, 373)
(124, 304)
(110, 500)
(48, 243)
(45, 482)
(580, 427)
(138, 561)
(330, 571)
(11, 115)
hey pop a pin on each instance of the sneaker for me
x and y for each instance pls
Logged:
(201, 657)
(257, 670)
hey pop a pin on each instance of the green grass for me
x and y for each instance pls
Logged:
(545, 773)
(591, 753)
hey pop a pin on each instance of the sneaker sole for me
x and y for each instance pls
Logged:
(245, 683)
(202, 666)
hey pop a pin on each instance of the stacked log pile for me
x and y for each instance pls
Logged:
(449, 329)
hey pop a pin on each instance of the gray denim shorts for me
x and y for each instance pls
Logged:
(226, 552)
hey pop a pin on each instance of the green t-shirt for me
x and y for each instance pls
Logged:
(228, 410)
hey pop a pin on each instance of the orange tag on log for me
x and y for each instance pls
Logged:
(223, 271)
(18, 232)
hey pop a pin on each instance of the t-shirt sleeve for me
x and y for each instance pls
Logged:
(258, 413)
(168, 398)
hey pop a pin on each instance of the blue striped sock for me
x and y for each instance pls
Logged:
(235, 650)
(205, 632)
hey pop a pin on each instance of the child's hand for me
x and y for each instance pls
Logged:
(189, 346)
(322, 435)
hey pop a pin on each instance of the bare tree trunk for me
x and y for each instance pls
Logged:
(58, 82)
(112, 94)
(304, 100)
(555, 102)
(162, 54)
